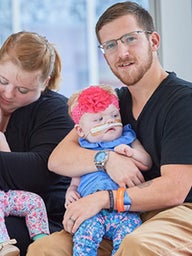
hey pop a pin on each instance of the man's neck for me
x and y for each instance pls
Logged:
(142, 91)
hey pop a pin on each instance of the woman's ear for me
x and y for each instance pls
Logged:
(79, 130)
(44, 85)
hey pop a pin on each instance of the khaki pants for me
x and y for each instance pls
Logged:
(163, 233)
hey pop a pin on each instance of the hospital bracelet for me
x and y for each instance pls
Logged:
(123, 201)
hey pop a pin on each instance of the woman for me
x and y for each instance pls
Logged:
(33, 119)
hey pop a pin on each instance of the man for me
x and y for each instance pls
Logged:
(158, 106)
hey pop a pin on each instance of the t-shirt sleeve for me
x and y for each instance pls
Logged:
(177, 134)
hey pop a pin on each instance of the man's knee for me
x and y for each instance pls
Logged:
(33, 248)
(131, 241)
(134, 244)
(56, 244)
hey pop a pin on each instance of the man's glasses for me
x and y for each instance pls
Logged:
(127, 39)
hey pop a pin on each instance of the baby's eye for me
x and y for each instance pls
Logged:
(115, 115)
(99, 119)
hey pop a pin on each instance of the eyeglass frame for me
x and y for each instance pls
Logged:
(101, 46)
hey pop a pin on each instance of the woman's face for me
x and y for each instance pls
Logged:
(18, 88)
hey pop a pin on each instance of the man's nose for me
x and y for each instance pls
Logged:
(122, 48)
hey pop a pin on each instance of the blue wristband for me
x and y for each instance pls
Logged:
(127, 201)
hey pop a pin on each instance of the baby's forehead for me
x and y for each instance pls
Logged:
(107, 111)
(111, 108)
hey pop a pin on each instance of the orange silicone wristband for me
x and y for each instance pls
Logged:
(120, 199)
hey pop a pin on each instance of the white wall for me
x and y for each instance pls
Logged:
(174, 23)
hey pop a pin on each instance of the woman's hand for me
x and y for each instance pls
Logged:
(83, 209)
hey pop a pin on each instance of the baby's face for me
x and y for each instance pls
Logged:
(102, 126)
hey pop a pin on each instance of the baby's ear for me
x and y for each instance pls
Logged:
(79, 130)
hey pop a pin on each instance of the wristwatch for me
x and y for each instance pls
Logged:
(100, 159)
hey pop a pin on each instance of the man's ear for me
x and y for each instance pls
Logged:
(155, 40)
(79, 130)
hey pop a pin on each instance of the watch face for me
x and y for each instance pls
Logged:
(100, 157)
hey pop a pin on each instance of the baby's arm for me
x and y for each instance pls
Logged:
(137, 152)
(72, 194)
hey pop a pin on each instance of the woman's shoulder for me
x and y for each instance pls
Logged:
(53, 96)
(50, 102)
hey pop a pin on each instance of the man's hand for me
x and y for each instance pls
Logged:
(123, 170)
(75, 213)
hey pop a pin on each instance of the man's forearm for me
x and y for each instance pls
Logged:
(69, 159)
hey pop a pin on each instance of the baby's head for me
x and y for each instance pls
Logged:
(95, 111)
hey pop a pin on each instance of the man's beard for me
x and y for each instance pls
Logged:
(135, 76)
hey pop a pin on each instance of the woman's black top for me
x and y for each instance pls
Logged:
(32, 133)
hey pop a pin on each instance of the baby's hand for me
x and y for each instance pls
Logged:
(124, 149)
(71, 196)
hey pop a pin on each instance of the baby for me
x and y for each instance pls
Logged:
(95, 111)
